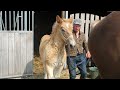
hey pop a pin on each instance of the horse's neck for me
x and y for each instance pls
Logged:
(57, 40)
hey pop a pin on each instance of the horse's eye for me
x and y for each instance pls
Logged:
(63, 30)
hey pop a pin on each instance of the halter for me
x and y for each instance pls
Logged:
(64, 38)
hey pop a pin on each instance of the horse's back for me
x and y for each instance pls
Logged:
(94, 23)
(104, 45)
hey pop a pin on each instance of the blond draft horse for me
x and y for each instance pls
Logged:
(52, 47)
(104, 46)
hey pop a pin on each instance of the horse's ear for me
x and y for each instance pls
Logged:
(71, 19)
(58, 19)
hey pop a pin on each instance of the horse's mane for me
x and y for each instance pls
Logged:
(54, 28)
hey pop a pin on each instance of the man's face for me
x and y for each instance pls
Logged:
(76, 27)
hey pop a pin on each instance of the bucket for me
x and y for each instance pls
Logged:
(93, 72)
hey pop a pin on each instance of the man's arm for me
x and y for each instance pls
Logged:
(85, 45)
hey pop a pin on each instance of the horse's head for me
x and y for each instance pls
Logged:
(66, 27)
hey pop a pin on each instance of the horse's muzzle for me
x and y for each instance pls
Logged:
(71, 46)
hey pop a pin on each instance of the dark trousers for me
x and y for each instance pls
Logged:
(78, 61)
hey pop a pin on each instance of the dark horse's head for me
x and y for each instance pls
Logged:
(104, 45)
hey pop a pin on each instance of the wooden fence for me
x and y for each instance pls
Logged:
(86, 19)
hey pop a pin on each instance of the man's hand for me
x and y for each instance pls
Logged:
(88, 55)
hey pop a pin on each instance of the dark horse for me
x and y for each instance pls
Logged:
(104, 45)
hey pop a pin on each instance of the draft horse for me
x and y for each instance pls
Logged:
(104, 46)
(52, 47)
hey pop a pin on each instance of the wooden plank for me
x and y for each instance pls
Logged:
(17, 20)
(14, 20)
(5, 20)
(87, 26)
(25, 20)
(0, 20)
(33, 20)
(72, 15)
(102, 18)
(63, 14)
(29, 21)
(4, 54)
(11, 53)
(91, 20)
(83, 21)
(1, 54)
(77, 16)
(22, 21)
(96, 17)
(23, 52)
(17, 52)
(29, 49)
(17, 65)
(66, 16)
(10, 20)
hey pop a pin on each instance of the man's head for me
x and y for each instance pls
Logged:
(76, 25)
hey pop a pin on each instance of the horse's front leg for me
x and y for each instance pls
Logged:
(45, 72)
(49, 71)
(61, 66)
(58, 70)
(65, 66)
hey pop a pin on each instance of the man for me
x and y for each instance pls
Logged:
(75, 55)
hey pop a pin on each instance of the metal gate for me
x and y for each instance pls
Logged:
(16, 43)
